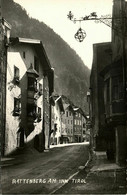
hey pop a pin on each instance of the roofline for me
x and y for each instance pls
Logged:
(32, 41)
(4, 22)
(57, 98)
(26, 40)
(102, 43)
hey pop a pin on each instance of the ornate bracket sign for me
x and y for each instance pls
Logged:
(80, 35)
(107, 20)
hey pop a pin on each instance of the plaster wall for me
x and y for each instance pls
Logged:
(67, 123)
(57, 120)
(15, 58)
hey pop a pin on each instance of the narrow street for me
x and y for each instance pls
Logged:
(45, 172)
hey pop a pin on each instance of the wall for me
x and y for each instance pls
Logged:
(46, 112)
(15, 57)
(84, 128)
(119, 45)
(77, 127)
(4, 33)
(67, 125)
(101, 58)
(57, 120)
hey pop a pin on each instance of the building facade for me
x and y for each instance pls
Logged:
(85, 137)
(67, 121)
(28, 87)
(115, 76)
(67, 125)
(78, 127)
(57, 112)
(109, 104)
(5, 28)
(101, 58)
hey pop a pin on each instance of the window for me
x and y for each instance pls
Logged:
(117, 88)
(31, 111)
(84, 125)
(17, 108)
(39, 112)
(67, 113)
(24, 54)
(32, 84)
(40, 89)
(16, 74)
(36, 64)
(121, 88)
(71, 122)
(70, 113)
(107, 91)
(68, 121)
(84, 132)
(55, 127)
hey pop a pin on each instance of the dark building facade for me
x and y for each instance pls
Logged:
(5, 28)
(115, 77)
(108, 90)
(101, 58)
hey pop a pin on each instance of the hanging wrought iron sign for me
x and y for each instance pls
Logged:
(106, 19)
(80, 35)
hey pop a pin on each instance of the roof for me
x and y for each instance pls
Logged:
(59, 100)
(32, 70)
(77, 109)
(38, 46)
(32, 41)
(4, 22)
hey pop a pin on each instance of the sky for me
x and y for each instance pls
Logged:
(54, 14)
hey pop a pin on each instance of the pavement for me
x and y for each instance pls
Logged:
(96, 176)
(31, 172)
(99, 176)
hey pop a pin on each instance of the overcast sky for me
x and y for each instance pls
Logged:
(54, 14)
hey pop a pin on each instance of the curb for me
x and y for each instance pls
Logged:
(83, 168)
